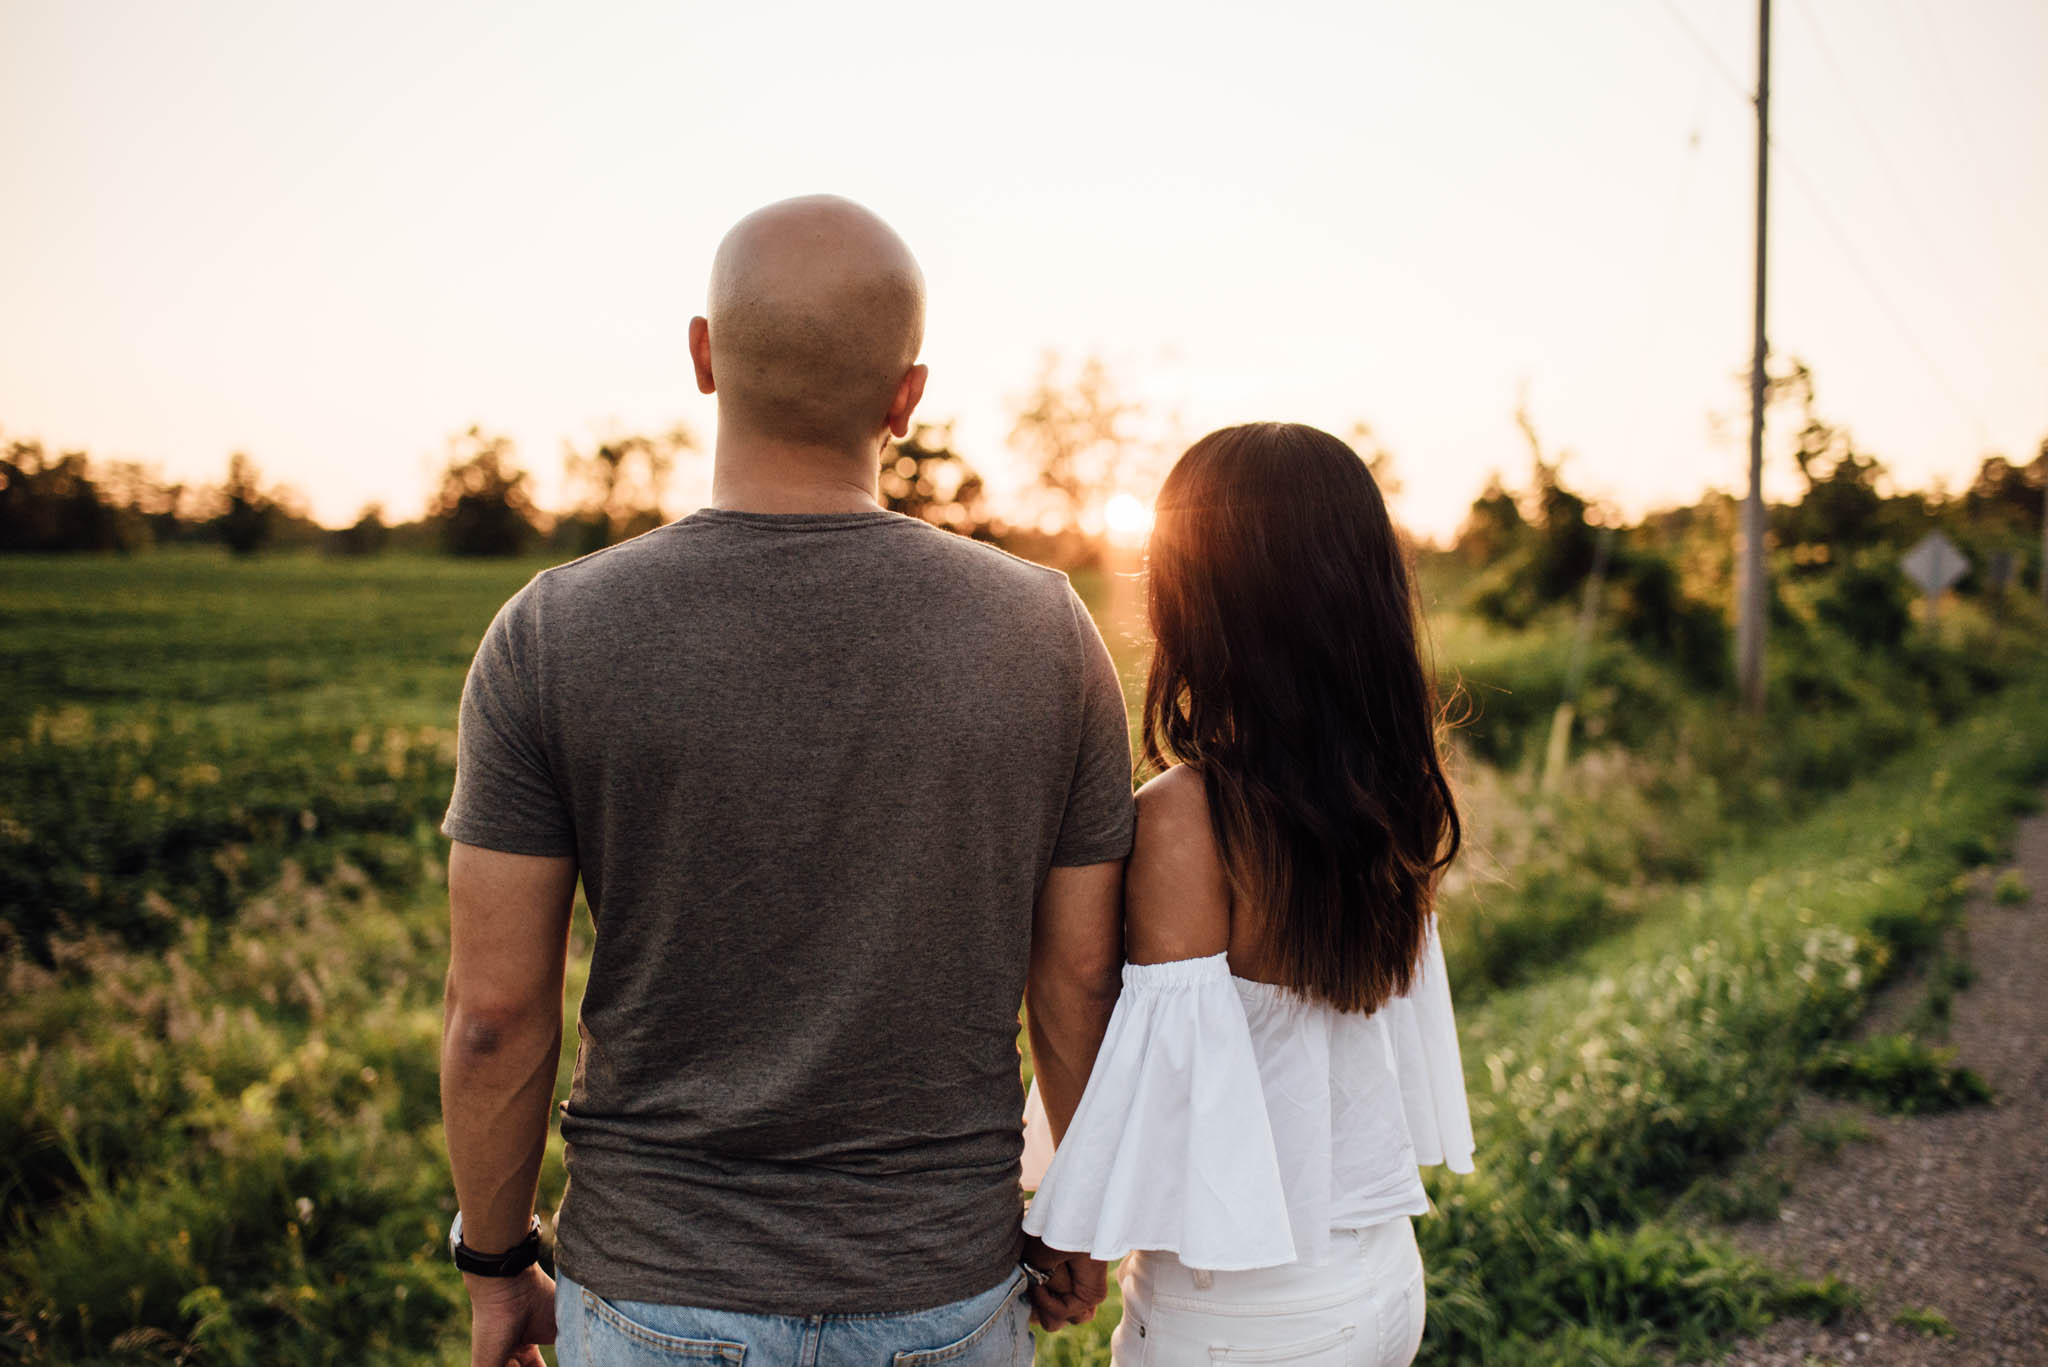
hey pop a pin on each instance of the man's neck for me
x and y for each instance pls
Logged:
(751, 474)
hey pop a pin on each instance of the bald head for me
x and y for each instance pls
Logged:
(815, 316)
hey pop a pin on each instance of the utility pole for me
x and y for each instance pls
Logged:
(1749, 631)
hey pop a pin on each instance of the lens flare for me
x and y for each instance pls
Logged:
(1127, 518)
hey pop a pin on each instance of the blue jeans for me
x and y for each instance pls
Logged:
(988, 1330)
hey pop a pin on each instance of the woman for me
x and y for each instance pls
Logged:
(1283, 1055)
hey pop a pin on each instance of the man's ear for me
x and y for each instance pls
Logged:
(903, 405)
(700, 354)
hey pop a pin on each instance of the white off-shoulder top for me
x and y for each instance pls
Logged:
(1236, 1124)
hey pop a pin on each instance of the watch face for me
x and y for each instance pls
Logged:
(455, 1234)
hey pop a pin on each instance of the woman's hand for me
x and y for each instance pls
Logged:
(1074, 1288)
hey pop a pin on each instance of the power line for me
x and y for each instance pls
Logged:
(1655, 314)
(1713, 57)
(1811, 14)
(1951, 127)
(1834, 230)
(1907, 208)
(1878, 296)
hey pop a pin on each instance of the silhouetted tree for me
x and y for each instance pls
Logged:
(55, 504)
(2008, 497)
(367, 535)
(166, 515)
(1546, 557)
(1075, 433)
(622, 482)
(69, 502)
(483, 506)
(1842, 509)
(1563, 553)
(139, 504)
(923, 476)
(1493, 527)
(247, 521)
(1544, 560)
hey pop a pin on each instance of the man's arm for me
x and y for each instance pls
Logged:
(1076, 972)
(1077, 955)
(501, 1039)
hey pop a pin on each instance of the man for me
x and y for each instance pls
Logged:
(841, 788)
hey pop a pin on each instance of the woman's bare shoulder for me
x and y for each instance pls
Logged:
(1176, 892)
(1173, 817)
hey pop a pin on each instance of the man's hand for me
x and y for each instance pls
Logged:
(509, 1317)
(1075, 1286)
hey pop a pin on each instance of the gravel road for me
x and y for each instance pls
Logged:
(1947, 1213)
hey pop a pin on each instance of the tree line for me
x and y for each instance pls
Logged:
(1078, 432)
(1665, 584)
(1083, 437)
(481, 505)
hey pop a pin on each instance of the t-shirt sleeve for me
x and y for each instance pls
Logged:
(506, 797)
(1101, 815)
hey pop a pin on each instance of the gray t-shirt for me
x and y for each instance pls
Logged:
(813, 769)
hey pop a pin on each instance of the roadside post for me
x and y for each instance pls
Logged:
(2001, 569)
(1558, 751)
(2001, 572)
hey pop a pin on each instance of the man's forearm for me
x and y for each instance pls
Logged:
(1066, 1025)
(1075, 974)
(497, 1087)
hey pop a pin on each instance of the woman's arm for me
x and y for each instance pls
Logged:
(1176, 891)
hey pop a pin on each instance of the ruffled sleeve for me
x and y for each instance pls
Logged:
(1422, 1036)
(1170, 1148)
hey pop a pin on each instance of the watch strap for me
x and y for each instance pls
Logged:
(512, 1261)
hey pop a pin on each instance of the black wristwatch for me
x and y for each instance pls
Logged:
(512, 1261)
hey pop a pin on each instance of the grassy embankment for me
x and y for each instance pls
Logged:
(1626, 1076)
(218, 1125)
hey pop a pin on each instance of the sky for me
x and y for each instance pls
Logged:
(334, 235)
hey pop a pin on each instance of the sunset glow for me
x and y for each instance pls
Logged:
(1128, 519)
(334, 243)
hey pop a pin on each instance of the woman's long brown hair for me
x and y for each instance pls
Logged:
(1287, 671)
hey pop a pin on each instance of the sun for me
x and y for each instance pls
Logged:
(1127, 517)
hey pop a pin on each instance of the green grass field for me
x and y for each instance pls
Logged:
(222, 892)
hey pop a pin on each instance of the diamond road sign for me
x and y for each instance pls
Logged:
(1935, 564)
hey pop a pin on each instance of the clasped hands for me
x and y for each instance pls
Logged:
(1074, 1285)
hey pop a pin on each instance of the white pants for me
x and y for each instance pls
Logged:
(1362, 1308)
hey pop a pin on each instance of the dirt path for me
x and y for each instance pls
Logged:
(1947, 1213)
